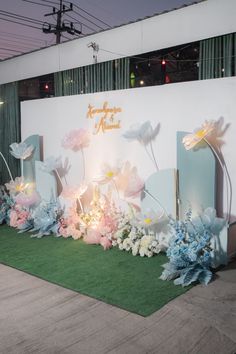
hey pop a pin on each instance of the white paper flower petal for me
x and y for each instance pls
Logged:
(143, 133)
(21, 150)
(51, 164)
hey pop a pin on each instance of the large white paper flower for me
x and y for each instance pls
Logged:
(51, 164)
(199, 134)
(21, 151)
(143, 133)
(149, 218)
(108, 174)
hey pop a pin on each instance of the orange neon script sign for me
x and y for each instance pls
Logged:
(105, 117)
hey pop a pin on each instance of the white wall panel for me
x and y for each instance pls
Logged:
(182, 106)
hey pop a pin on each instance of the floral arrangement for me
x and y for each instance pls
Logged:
(137, 233)
(189, 252)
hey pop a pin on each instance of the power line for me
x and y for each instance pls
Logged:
(19, 23)
(11, 50)
(36, 3)
(28, 38)
(23, 46)
(22, 41)
(92, 29)
(20, 17)
(88, 13)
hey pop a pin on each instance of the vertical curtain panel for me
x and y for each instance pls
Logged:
(10, 130)
(107, 76)
(218, 57)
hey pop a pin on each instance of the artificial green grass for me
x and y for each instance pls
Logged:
(113, 276)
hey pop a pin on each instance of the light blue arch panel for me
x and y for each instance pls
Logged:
(162, 188)
(197, 178)
(46, 183)
(29, 163)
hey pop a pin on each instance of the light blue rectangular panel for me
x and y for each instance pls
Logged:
(162, 188)
(29, 163)
(46, 183)
(219, 245)
(197, 177)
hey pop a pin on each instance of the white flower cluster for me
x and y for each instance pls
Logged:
(137, 240)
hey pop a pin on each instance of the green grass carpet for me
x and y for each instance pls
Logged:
(113, 276)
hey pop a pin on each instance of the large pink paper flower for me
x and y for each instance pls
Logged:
(129, 182)
(76, 139)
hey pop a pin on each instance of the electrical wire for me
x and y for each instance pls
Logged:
(11, 50)
(88, 13)
(28, 38)
(19, 23)
(92, 29)
(24, 18)
(23, 42)
(36, 3)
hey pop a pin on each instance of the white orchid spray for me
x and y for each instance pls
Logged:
(21, 151)
(203, 134)
(145, 135)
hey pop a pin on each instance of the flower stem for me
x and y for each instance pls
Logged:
(149, 155)
(8, 169)
(115, 185)
(22, 167)
(82, 152)
(153, 155)
(227, 180)
(59, 177)
(81, 206)
(157, 201)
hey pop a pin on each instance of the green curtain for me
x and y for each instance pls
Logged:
(217, 57)
(110, 75)
(122, 73)
(9, 129)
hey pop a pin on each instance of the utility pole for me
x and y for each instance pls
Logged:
(60, 26)
(59, 16)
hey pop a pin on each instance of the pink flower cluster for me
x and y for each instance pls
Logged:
(76, 139)
(18, 216)
(98, 229)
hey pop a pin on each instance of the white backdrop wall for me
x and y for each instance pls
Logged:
(182, 107)
(192, 23)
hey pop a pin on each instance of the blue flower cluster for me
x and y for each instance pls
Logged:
(45, 219)
(189, 251)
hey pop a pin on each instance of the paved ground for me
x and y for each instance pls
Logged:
(39, 317)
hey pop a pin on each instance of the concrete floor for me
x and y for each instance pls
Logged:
(39, 317)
